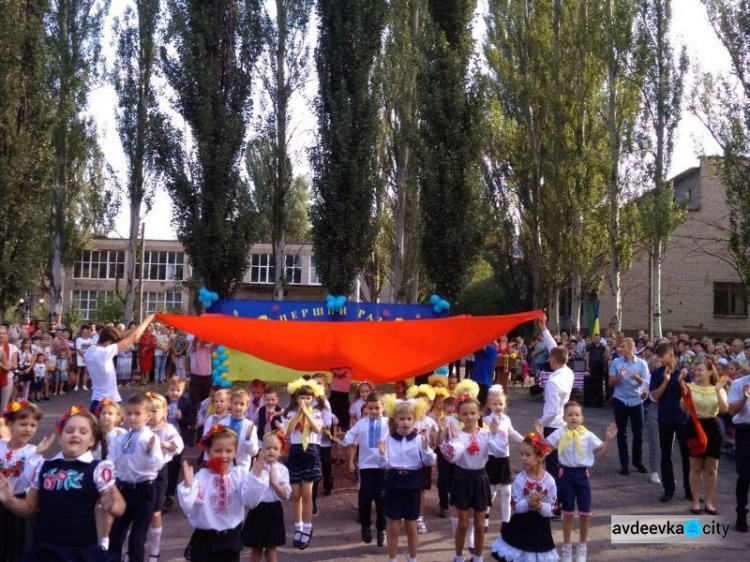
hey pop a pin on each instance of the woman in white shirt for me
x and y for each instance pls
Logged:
(8, 364)
(99, 360)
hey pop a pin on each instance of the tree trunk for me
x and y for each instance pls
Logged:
(553, 311)
(130, 259)
(575, 302)
(650, 295)
(656, 280)
(278, 227)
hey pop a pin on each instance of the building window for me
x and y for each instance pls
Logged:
(100, 264)
(163, 266)
(261, 268)
(88, 301)
(314, 279)
(293, 272)
(151, 302)
(729, 299)
(173, 302)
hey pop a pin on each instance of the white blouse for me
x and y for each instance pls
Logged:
(111, 437)
(359, 436)
(524, 487)
(216, 502)
(355, 410)
(18, 465)
(506, 429)
(281, 474)
(406, 453)
(215, 419)
(470, 452)
(169, 434)
(133, 461)
(429, 427)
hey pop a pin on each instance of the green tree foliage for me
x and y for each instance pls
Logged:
(84, 196)
(138, 118)
(451, 130)
(109, 309)
(722, 102)
(284, 70)
(343, 162)
(215, 45)
(25, 146)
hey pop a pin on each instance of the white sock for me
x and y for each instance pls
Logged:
(505, 495)
(410, 559)
(104, 542)
(306, 528)
(470, 534)
(154, 536)
(393, 559)
(476, 558)
(459, 558)
(454, 524)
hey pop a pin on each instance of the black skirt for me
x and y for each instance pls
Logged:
(525, 533)
(303, 466)
(713, 433)
(498, 470)
(470, 489)
(160, 488)
(425, 477)
(264, 526)
(212, 546)
(57, 553)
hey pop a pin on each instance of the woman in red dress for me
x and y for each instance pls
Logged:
(146, 348)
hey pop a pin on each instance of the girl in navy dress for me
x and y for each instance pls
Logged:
(302, 426)
(72, 483)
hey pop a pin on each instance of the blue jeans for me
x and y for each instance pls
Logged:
(160, 363)
(624, 413)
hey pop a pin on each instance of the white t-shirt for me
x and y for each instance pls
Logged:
(12, 350)
(40, 369)
(82, 345)
(98, 361)
(162, 344)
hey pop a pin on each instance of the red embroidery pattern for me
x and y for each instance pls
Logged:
(220, 496)
(9, 468)
(532, 488)
(106, 475)
(473, 448)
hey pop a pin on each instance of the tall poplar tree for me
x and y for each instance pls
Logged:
(138, 118)
(26, 112)
(82, 200)
(451, 131)
(215, 45)
(343, 162)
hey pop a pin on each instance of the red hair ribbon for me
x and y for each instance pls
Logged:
(539, 443)
(74, 411)
(103, 404)
(215, 430)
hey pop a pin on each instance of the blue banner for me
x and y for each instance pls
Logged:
(317, 311)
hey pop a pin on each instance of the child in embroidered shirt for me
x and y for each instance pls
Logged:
(247, 434)
(424, 425)
(498, 468)
(577, 448)
(172, 446)
(214, 499)
(109, 414)
(402, 454)
(18, 459)
(363, 437)
(528, 534)
(73, 483)
(327, 440)
(355, 410)
(468, 449)
(302, 425)
(264, 526)
(138, 457)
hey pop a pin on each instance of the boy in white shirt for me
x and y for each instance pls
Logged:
(577, 450)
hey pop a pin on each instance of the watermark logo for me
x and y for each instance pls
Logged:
(667, 529)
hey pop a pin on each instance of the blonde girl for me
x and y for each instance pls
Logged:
(364, 389)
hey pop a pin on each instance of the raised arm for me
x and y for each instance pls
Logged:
(131, 336)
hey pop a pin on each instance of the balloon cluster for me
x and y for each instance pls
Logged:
(439, 305)
(442, 371)
(207, 298)
(335, 304)
(220, 364)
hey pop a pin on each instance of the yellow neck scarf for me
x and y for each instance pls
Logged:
(300, 418)
(572, 435)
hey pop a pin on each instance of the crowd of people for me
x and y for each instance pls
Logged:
(122, 465)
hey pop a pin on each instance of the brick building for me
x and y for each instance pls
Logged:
(701, 291)
(100, 272)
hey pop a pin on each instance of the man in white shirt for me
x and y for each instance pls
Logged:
(83, 342)
(556, 394)
(739, 408)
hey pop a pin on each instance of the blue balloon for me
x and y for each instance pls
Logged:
(442, 370)
(436, 309)
(222, 357)
(330, 301)
(221, 349)
(340, 301)
(434, 299)
(216, 362)
(445, 305)
(214, 297)
(202, 291)
(225, 383)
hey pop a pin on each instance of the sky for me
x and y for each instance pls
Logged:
(690, 27)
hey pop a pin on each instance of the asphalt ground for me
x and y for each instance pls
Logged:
(337, 534)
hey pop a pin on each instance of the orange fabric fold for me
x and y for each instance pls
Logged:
(377, 351)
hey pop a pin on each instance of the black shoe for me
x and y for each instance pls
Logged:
(640, 468)
(666, 497)
(316, 509)
(381, 538)
(296, 541)
(168, 503)
(624, 471)
(443, 513)
(471, 550)
(305, 539)
(741, 524)
(366, 535)
(327, 492)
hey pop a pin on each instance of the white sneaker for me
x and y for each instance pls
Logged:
(567, 553)
(421, 527)
(655, 478)
(75, 389)
(581, 553)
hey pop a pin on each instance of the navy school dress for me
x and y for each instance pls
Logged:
(65, 527)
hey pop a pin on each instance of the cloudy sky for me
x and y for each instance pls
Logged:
(690, 27)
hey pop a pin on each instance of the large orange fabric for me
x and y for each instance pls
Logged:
(376, 351)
